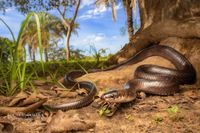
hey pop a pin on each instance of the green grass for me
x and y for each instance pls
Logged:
(129, 117)
(103, 111)
(15, 77)
(173, 113)
(16, 73)
(60, 67)
(158, 119)
(173, 110)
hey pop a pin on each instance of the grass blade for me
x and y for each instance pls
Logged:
(39, 38)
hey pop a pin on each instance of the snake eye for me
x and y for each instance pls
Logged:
(110, 94)
(126, 86)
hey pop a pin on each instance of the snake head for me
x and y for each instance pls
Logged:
(118, 96)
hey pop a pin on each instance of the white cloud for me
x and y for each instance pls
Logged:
(85, 16)
(86, 3)
(93, 39)
(97, 12)
(94, 13)
(98, 40)
(114, 37)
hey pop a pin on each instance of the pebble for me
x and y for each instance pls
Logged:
(191, 94)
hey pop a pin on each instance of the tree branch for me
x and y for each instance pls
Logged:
(76, 11)
(65, 7)
(65, 23)
(64, 11)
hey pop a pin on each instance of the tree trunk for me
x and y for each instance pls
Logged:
(46, 54)
(30, 52)
(129, 14)
(68, 26)
(68, 35)
(33, 56)
(160, 20)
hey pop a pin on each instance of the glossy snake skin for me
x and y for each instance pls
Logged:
(147, 78)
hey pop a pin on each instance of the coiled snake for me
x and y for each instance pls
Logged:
(147, 78)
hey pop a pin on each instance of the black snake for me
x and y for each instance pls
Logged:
(147, 78)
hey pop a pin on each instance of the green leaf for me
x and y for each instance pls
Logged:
(39, 38)
(103, 111)
(12, 34)
(129, 117)
(173, 110)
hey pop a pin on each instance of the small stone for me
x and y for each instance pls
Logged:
(191, 94)
(142, 95)
(91, 130)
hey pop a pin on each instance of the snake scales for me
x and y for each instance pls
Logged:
(147, 78)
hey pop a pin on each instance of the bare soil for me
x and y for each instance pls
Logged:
(179, 113)
(152, 114)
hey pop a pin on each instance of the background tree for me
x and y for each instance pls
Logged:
(57, 53)
(5, 44)
(159, 19)
(129, 15)
(51, 28)
(128, 6)
(61, 6)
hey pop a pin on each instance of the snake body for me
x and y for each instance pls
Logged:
(155, 79)
(81, 102)
(147, 78)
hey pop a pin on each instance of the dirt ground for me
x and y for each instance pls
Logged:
(152, 114)
(178, 113)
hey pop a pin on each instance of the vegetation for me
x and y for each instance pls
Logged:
(40, 31)
(161, 21)
(158, 119)
(16, 73)
(68, 24)
(5, 44)
(97, 54)
(173, 110)
(62, 6)
(13, 72)
(51, 28)
(104, 111)
(129, 117)
(173, 113)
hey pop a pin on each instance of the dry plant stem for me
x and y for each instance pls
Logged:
(19, 110)
(187, 28)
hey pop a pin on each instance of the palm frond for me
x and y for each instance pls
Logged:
(114, 12)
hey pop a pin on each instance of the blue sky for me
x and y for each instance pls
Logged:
(96, 26)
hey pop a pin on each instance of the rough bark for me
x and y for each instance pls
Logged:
(157, 32)
(152, 11)
(129, 19)
(159, 20)
(67, 44)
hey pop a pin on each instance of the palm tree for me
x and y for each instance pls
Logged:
(29, 37)
(5, 45)
(51, 28)
(128, 5)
